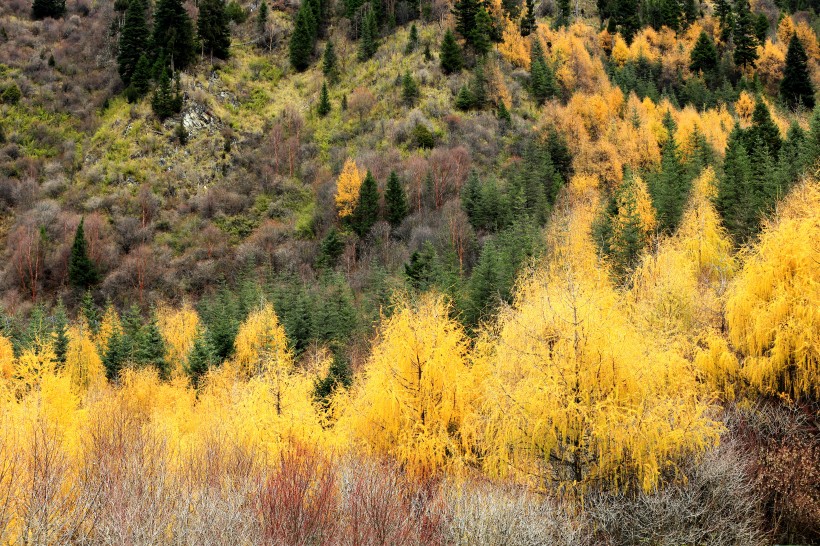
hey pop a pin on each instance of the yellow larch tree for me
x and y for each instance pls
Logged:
(261, 343)
(7, 360)
(34, 363)
(574, 394)
(412, 401)
(179, 328)
(83, 363)
(514, 47)
(347, 188)
(773, 307)
(109, 324)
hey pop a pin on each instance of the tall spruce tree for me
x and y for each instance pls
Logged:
(542, 77)
(625, 18)
(450, 56)
(369, 40)
(395, 201)
(671, 186)
(527, 25)
(173, 33)
(302, 40)
(796, 88)
(140, 80)
(412, 40)
(60, 333)
(409, 89)
(330, 63)
(734, 199)
(82, 272)
(213, 29)
(133, 41)
(150, 350)
(40, 9)
(262, 20)
(704, 56)
(367, 209)
(763, 130)
(115, 356)
(465, 12)
(164, 102)
(324, 107)
(200, 358)
(482, 34)
(744, 36)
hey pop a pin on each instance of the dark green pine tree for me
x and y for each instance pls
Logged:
(409, 89)
(115, 356)
(323, 108)
(133, 42)
(330, 250)
(527, 25)
(796, 88)
(465, 12)
(478, 87)
(330, 63)
(482, 33)
(723, 10)
(625, 18)
(763, 130)
(200, 358)
(734, 199)
(302, 40)
(338, 375)
(395, 201)
(810, 150)
(89, 311)
(691, 11)
(564, 13)
(367, 209)
(671, 186)
(173, 33)
(761, 26)
(262, 21)
(150, 350)
(704, 57)
(213, 29)
(450, 56)
(789, 164)
(743, 35)
(40, 9)
(464, 99)
(483, 287)
(671, 14)
(140, 80)
(412, 40)
(60, 333)
(471, 201)
(503, 114)
(163, 102)
(82, 272)
(542, 77)
(369, 40)
(223, 324)
(629, 241)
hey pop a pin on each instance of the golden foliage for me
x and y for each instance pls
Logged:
(744, 107)
(109, 324)
(413, 400)
(179, 328)
(773, 308)
(574, 393)
(514, 47)
(347, 188)
(83, 364)
(7, 361)
(261, 344)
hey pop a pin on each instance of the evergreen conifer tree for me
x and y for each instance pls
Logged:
(625, 18)
(796, 87)
(262, 21)
(464, 99)
(133, 41)
(367, 209)
(542, 78)
(482, 33)
(734, 198)
(302, 40)
(324, 107)
(140, 80)
(173, 33)
(503, 113)
(115, 356)
(150, 351)
(465, 12)
(412, 41)
(763, 130)
(164, 102)
(743, 35)
(409, 89)
(89, 312)
(40, 9)
(671, 186)
(82, 272)
(200, 359)
(330, 250)
(369, 41)
(212, 25)
(395, 201)
(450, 56)
(330, 63)
(527, 25)
(60, 333)
(704, 56)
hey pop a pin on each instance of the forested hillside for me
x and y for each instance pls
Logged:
(410, 272)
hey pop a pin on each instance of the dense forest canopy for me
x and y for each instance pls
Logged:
(409, 272)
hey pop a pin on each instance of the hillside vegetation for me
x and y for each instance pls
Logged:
(417, 272)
